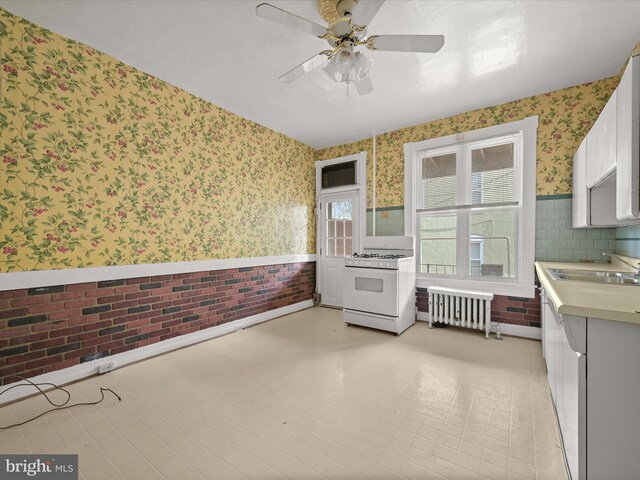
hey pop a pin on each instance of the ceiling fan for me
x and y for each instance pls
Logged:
(346, 31)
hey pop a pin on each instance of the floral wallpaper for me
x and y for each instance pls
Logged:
(565, 117)
(103, 164)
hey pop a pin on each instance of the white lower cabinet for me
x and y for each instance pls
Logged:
(567, 376)
(594, 377)
(573, 423)
(613, 399)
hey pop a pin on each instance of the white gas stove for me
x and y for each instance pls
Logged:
(379, 284)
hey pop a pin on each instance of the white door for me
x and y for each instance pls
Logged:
(338, 238)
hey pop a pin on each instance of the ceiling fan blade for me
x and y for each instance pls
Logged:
(283, 17)
(305, 67)
(364, 86)
(406, 43)
(365, 11)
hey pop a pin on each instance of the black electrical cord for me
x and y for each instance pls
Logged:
(57, 406)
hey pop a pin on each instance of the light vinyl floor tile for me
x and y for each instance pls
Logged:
(306, 397)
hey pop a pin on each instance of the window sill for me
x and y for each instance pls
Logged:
(495, 287)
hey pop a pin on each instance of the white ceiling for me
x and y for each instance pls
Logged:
(495, 51)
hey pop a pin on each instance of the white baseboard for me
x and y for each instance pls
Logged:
(521, 331)
(77, 372)
(505, 328)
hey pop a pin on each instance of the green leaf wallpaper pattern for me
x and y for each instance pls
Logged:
(565, 117)
(103, 164)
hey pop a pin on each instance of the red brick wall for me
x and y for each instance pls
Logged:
(504, 309)
(49, 328)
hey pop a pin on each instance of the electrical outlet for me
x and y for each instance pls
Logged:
(106, 367)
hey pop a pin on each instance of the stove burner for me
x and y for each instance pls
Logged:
(375, 255)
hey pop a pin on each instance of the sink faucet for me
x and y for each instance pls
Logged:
(636, 267)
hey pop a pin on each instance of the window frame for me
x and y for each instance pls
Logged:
(360, 187)
(524, 190)
(344, 237)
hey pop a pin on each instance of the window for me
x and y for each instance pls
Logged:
(339, 174)
(339, 229)
(470, 202)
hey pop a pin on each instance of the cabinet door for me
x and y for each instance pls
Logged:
(627, 143)
(543, 322)
(581, 202)
(613, 397)
(601, 144)
(551, 350)
(574, 398)
(559, 359)
(602, 204)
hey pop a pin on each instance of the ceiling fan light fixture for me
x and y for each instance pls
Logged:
(347, 28)
(361, 67)
(348, 67)
(331, 70)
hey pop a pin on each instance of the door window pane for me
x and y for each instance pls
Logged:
(339, 228)
(331, 247)
(340, 210)
(492, 245)
(331, 228)
(438, 183)
(438, 244)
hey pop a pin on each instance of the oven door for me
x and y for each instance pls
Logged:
(372, 290)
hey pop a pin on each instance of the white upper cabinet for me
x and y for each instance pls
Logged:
(581, 202)
(601, 144)
(627, 144)
(602, 204)
(606, 167)
(592, 207)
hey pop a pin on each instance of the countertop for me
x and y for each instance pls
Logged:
(620, 303)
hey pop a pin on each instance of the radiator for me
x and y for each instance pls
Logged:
(461, 308)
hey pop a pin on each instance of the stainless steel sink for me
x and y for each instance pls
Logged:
(590, 273)
(594, 276)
